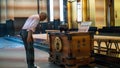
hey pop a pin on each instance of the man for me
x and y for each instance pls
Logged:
(26, 34)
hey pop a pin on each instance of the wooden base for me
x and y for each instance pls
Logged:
(71, 49)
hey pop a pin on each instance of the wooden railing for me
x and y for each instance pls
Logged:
(107, 45)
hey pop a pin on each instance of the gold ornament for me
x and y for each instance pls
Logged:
(58, 44)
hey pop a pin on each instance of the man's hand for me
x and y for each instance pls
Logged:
(30, 38)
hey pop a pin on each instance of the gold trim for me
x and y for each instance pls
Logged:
(57, 44)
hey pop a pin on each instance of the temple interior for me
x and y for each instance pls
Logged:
(76, 33)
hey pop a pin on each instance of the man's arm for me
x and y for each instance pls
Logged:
(29, 38)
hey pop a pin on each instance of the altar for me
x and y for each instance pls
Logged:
(71, 49)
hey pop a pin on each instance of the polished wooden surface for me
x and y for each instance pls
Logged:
(76, 49)
(96, 37)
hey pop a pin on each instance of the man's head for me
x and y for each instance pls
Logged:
(42, 16)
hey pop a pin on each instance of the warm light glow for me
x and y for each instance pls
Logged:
(61, 11)
(51, 11)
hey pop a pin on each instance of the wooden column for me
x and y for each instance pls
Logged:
(84, 4)
(69, 6)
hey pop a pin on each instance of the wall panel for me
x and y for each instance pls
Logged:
(117, 12)
(100, 13)
(25, 8)
(3, 11)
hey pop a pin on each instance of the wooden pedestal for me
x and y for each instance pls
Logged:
(71, 49)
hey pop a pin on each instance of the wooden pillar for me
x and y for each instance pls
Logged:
(84, 4)
(69, 6)
(48, 10)
(72, 11)
(0, 11)
(92, 11)
(38, 8)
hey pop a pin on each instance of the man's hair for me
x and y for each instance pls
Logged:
(43, 16)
